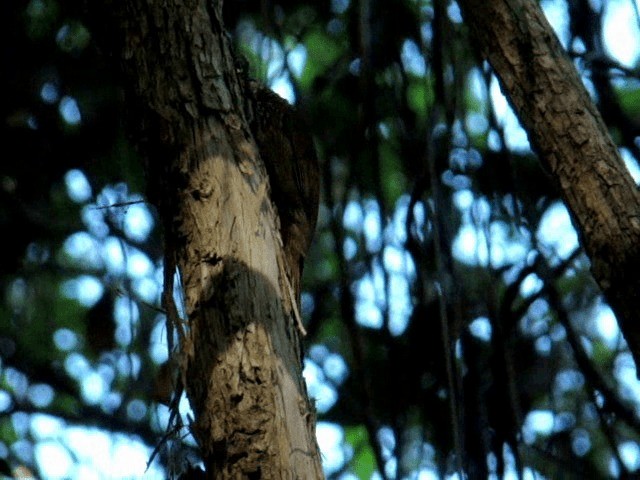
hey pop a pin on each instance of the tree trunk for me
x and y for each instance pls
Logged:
(240, 356)
(566, 131)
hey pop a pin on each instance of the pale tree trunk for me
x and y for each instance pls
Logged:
(240, 348)
(566, 131)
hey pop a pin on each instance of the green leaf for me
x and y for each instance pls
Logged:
(322, 52)
(394, 183)
(363, 463)
(420, 97)
(630, 100)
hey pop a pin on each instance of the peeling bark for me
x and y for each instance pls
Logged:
(240, 348)
(567, 132)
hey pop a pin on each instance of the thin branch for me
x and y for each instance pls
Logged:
(347, 304)
(612, 402)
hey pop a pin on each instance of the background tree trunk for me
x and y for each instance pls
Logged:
(572, 141)
(240, 351)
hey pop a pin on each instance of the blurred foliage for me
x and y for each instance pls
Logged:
(453, 323)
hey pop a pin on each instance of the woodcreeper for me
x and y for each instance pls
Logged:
(288, 152)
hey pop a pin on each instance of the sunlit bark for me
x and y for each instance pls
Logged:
(239, 354)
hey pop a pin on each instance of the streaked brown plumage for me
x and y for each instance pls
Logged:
(287, 149)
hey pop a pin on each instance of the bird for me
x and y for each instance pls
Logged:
(286, 146)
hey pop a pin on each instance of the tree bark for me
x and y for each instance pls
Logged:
(567, 132)
(240, 354)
